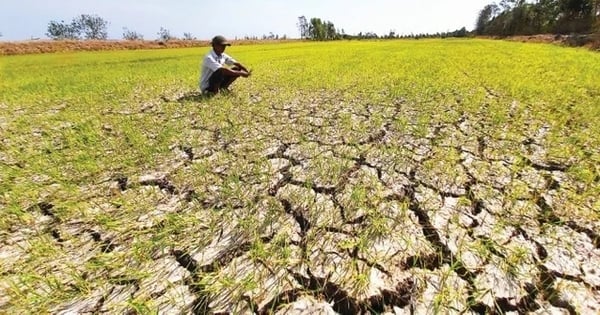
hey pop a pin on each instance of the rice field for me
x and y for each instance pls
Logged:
(399, 177)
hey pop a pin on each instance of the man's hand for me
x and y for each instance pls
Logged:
(241, 70)
(241, 66)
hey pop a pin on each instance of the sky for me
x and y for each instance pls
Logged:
(27, 19)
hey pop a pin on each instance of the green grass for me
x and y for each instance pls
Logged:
(72, 124)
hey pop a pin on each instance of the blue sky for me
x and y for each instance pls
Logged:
(24, 19)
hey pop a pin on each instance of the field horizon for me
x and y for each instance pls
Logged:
(37, 46)
(432, 176)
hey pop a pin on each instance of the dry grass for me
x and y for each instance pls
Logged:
(50, 46)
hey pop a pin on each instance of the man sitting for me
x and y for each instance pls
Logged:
(215, 77)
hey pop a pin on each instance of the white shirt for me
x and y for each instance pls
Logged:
(212, 63)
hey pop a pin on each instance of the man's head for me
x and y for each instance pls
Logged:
(219, 43)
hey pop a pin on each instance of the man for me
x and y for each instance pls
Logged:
(215, 76)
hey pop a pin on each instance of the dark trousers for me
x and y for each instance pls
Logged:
(220, 81)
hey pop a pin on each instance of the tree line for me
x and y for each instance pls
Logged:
(519, 17)
(506, 18)
(320, 30)
(83, 26)
(94, 27)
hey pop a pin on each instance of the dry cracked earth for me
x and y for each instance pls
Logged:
(327, 205)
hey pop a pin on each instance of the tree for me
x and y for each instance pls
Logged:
(485, 16)
(576, 16)
(596, 13)
(92, 26)
(322, 30)
(574, 9)
(519, 17)
(596, 16)
(318, 29)
(330, 31)
(303, 27)
(188, 36)
(131, 35)
(61, 30)
(546, 13)
(164, 34)
(508, 5)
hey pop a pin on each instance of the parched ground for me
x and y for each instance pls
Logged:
(325, 203)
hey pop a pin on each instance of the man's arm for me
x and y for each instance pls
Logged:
(239, 65)
(238, 73)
